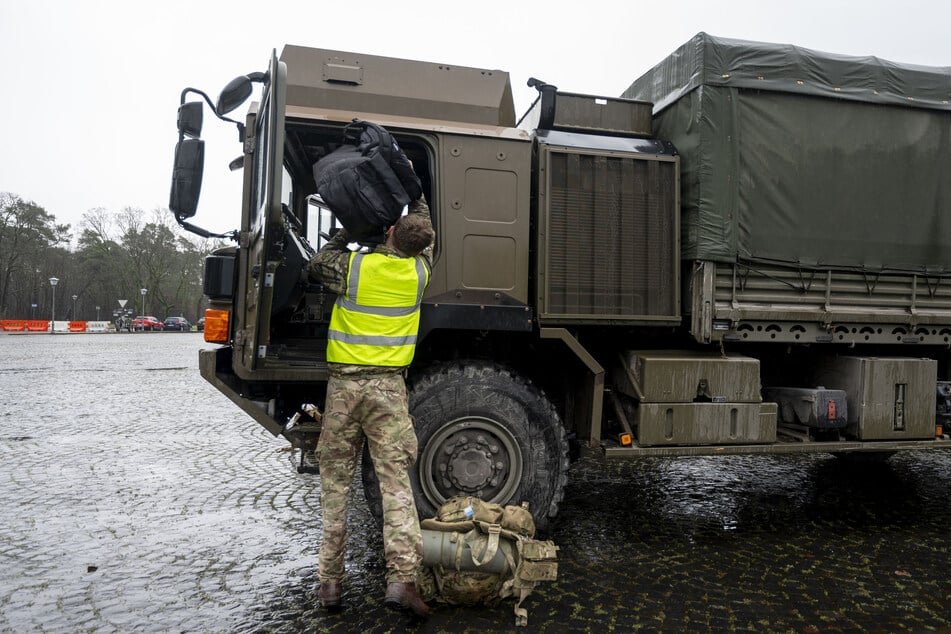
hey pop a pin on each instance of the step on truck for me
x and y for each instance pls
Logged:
(747, 252)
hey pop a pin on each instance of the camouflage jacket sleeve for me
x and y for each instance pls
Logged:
(420, 208)
(332, 262)
(330, 265)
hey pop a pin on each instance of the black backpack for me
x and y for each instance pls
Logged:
(366, 181)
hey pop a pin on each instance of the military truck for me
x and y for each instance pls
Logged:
(747, 252)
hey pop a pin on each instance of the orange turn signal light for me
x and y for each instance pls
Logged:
(216, 325)
(938, 430)
(625, 439)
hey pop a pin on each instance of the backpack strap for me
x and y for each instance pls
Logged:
(376, 137)
(491, 534)
(352, 132)
(433, 524)
(521, 614)
(514, 587)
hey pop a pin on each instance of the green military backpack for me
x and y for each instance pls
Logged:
(478, 553)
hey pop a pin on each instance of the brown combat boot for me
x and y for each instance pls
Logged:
(329, 595)
(403, 596)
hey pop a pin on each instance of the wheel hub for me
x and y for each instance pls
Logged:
(471, 456)
(471, 463)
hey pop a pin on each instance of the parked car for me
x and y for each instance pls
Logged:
(200, 324)
(146, 322)
(177, 323)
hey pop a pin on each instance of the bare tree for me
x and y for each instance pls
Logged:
(116, 255)
(27, 234)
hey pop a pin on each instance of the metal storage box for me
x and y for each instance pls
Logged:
(576, 112)
(661, 424)
(600, 114)
(662, 376)
(818, 408)
(888, 398)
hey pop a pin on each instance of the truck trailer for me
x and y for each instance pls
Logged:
(747, 252)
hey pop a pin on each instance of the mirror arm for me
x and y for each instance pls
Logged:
(204, 233)
(212, 106)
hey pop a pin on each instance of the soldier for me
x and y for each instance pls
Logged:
(371, 340)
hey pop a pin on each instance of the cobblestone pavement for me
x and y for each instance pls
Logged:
(135, 498)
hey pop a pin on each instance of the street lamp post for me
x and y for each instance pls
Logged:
(74, 307)
(97, 313)
(143, 291)
(53, 282)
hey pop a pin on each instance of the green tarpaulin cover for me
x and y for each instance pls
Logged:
(807, 158)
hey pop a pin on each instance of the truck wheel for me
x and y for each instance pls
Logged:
(486, 432)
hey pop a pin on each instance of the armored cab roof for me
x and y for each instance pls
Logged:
(337, 80)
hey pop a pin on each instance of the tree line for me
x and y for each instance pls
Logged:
(114, 257)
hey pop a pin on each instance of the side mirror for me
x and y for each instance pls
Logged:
(186, 177)
(190, 149)
(233, 95)
(236, 92)
(190, 119)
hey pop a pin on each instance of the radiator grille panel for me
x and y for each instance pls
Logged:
(611, 239)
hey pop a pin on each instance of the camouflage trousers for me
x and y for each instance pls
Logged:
(377, 409)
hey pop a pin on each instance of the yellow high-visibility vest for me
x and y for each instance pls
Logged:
(375, 322)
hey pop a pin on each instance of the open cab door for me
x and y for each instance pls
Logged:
(279, 334)
(262, 225)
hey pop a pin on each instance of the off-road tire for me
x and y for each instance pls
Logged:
(498, 432)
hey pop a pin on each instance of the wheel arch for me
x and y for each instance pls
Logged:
(553, 359)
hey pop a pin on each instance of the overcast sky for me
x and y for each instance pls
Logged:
(91, 88)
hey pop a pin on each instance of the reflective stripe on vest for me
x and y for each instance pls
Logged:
(376, 320)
